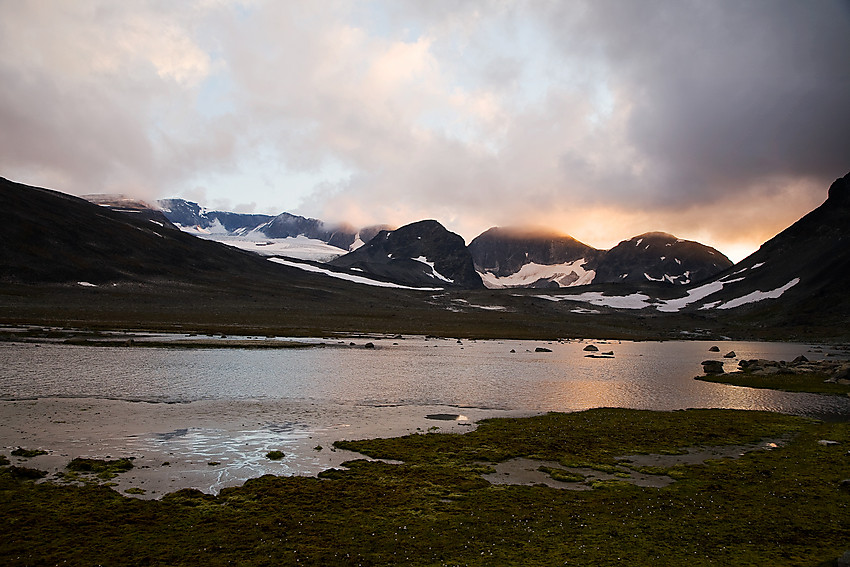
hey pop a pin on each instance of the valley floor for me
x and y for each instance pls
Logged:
(431, 506)
(251, 308)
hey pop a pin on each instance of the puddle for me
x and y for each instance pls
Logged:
(525, 472)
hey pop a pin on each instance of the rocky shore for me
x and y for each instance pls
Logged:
(828, 376)
(836, 371)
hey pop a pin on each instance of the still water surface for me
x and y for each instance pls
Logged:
(411, 371)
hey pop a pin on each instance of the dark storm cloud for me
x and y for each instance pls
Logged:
(725, 95)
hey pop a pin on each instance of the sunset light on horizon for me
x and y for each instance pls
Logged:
(722, 122)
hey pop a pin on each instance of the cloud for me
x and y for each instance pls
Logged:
(657, 110)
(89, 92)
(599, 118)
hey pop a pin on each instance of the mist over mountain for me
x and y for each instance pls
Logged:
(530, 257)
(188, 214)
(285, 225)
(517, 257)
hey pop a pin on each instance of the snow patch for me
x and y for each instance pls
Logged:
(639, 300)
(348, 277)
(434, 272)
(565, 275)
(686, 277)
(633, 301)
(693, 295)
(465, 303)
(298, 247)
(759, 295)
(86, 284)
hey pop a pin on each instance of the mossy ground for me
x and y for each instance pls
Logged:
(813, 382)
(28, 453)
(779, 507)
(102, 469)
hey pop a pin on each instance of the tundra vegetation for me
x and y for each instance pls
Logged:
(784, 506)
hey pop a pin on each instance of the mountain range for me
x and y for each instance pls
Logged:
(65, 259)
(233, 228)
(502, 257)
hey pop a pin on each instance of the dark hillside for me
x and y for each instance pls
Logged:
(814, 252)
(53, 237)
(423, 254)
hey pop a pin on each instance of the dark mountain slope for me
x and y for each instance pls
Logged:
(810, 260)
(134, 207)
(658, 256)
(53, 237)
(423, 253)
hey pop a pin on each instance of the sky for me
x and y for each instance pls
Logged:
(720, 121)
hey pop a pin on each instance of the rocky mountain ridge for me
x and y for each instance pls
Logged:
(504, 257)
(529, 257)
(793, 286)
(188, 215)
(423, 253)
(515, 257)
(659, 257)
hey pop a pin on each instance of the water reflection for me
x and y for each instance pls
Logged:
(415, 371)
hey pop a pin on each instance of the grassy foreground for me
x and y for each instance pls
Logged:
(813, 383)
(786, 506)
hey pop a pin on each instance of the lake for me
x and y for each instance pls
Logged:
(413, 371)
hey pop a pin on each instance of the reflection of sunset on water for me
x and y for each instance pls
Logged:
(414, 372)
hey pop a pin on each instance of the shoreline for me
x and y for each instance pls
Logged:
(173, 445)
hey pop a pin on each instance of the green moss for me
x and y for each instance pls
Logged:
(653, 470)
(562, 475)
(27, 453)
(809, 382)
(275, 455)
(4, 460)
(102, 469)
(609, 484)
(782, 507)
(23, 473)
